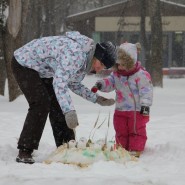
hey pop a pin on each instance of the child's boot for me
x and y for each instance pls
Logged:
(135, 153)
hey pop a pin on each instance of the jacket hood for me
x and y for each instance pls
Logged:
(86, 42)
(130, 49)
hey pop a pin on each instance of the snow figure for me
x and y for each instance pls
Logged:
(83, 155)
(99, 144)
(82, 143)
(85, 152)
(111, 145)
(72, 144)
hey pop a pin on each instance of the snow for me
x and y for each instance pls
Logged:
(162, 163)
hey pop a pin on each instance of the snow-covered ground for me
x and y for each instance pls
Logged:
(162, 163)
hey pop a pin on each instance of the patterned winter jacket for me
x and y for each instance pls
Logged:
(132, 91)
(65, 58)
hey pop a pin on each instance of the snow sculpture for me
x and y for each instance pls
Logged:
(85, 153)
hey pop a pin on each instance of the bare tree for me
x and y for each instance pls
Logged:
(26, 21)
(2, 68)
(13, 39)
(143, 36)
(156, 42)
(56, 16)
(45, 18)
(2, 61)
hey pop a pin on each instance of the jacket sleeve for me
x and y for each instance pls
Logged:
(108, 84)
(145, 88)
(62, 86)
(79, 89)
(61, 89)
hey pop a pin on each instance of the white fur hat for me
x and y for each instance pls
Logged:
(130, 49)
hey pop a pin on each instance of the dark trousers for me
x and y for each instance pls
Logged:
(42, 101)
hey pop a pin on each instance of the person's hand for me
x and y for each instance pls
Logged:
(71, 119)
(104, 101)
(145, 110)
(96, 87)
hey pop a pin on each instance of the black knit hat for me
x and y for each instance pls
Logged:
(106, 53)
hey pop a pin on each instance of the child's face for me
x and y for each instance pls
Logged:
(121, 67)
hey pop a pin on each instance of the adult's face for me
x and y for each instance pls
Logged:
(97, 66)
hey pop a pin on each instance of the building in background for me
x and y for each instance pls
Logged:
(120, 22)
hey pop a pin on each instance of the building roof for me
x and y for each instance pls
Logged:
(96, 12)
(116, 9)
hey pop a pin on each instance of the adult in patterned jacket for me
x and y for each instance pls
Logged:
(134, 96)
(45, 70)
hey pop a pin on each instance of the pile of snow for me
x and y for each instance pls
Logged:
(84, 153)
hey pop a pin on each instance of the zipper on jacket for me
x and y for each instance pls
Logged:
(134, 105)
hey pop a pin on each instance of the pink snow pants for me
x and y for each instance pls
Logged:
(130, 137)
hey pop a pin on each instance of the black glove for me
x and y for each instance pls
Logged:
(96, 87)
(145, 110)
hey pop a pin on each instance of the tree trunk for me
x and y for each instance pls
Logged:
(143, 37)
(9, 45)
(2, 62)
(156, 42)
(2, 68)
(13, 39)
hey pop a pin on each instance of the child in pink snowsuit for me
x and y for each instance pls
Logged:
(134, 95)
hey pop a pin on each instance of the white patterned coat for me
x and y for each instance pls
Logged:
(132, 91)
(65, 59)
